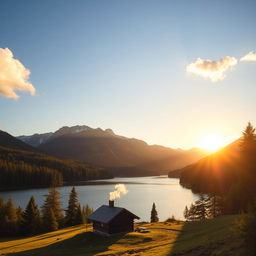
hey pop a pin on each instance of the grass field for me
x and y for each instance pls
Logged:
(210, 237)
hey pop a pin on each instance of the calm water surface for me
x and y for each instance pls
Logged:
(170, 198)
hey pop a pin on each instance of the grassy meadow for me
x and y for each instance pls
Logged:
(210, 237)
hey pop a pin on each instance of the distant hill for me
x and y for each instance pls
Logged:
(7, 140)
(103, 148)
(213, 173)
(22, 166)
(231, 150)
(36, 139)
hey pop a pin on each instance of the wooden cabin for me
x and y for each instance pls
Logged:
(109, 220)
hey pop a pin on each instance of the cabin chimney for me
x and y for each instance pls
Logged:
(111, 203)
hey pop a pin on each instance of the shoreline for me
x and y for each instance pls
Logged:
(92, 183)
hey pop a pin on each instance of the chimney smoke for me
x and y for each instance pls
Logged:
(119, 190)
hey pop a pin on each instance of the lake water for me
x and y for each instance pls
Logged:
(170, 198)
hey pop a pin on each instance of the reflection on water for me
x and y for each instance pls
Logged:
(169, 196)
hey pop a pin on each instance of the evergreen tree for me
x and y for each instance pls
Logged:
(53, 224)
(248, 143)
(32, 222)
(2, 215)
(11, 218)
(87, 210)
(80, 218)
(71, 212)
(154, 217)
(19, 212)
(52, 203)
(197, 211)
(245, 186)
(214, 205)
(186, 213)
(200, 205)
(191, 214)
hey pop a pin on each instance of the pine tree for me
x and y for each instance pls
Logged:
(248, 143)
(197, 211)
(2, 216)
(247, 176)
(191, 214)
(200, 205)
(154, 217)
(11, 218)
(32, 222)
(80, 218)
(52, 202)
(214, 205)
(186, 213)
(53, 224)
(19, 212)
(87, 210)
(71, 212)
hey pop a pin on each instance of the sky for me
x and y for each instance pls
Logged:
(167, 72)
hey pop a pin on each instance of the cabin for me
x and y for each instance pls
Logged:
(109, 220)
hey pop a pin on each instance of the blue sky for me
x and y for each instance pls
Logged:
(122, 65)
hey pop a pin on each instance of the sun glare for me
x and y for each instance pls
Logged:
(212, 142)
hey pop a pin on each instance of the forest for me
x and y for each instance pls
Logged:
(30, 221)
(24, 169)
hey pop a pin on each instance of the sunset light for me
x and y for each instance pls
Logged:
(212, 142)
(123, 121)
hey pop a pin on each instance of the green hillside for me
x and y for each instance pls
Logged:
(210, 237)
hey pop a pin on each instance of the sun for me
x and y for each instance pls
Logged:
(212, 142)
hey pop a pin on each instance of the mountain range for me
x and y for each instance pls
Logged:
(103, 148)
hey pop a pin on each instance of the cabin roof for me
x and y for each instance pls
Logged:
(105, 214)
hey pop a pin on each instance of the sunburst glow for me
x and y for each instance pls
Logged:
(212, 142)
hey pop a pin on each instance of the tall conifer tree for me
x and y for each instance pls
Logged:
(2, 215)
(154, 215)
(87, 210)
(71, 212)
(53, 224)
(19, 212)
(80, 218)
(32, 222)
(11, 218)
(52, 202)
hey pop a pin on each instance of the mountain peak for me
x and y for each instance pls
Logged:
(110, 131)
(71, 130)
(76, 130)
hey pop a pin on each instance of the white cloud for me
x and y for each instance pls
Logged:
(210, 69)
(13, 75)
(251, 56)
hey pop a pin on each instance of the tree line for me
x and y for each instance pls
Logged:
(206, 207)
(30, 221)
(23, 169)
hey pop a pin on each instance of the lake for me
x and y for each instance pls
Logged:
(169, 196)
